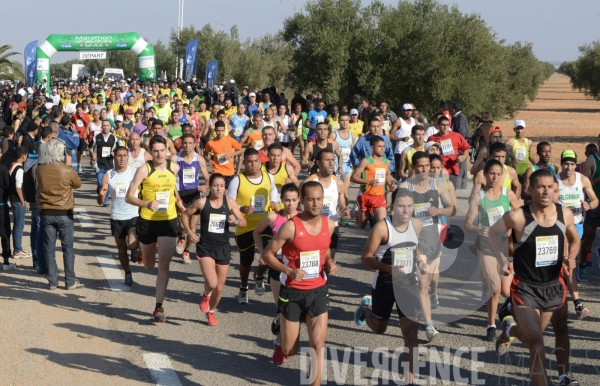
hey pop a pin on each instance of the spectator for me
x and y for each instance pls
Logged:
(17, 203)
(460, 125)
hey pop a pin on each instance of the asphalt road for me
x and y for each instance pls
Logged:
(99, 334)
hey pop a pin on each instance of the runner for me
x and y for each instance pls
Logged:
(490, 203)
(290, 198)
(123, 216)
(333, 188)
(592, 217)
(392, 250)
(304, 243)
(538, 290)
(281, 172)
(255, 192)
(519, 148)
(239, 121)
(510, 179)
(373, 175)
(418, 136)
(213, 250)
(345, 141)
(314, 117)
(224, 150)
(572, 186)
(101, 154)
(544, 152)
(137, 154)
(158, 129)
(295, 129)
(313, 148)
(157, 225)
(426, 194)
(494, 135)
(454, 148)
(401, 128)
(191, 165)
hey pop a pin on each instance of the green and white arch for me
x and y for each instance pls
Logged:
(97, 42)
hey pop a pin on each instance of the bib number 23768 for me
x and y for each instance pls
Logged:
(309, 262)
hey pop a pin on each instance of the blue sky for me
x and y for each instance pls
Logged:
(556, 28)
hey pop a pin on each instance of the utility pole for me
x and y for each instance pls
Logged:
(179, 28)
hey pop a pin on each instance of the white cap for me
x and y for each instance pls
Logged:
(519, 122)
(119, 118)
(189, 87)
(430, 144)
(149, 94)
(407, 106)
(148, 105)
(54, 90)
(251, 95)
(49, 105)
(22, 92)
(354, 112)
(232, 81)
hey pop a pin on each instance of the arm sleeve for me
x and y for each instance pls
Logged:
(273, 192)
(233, 187)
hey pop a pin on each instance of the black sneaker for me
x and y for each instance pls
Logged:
(568, 381)
(275, 325)
(128, 279)
(134, 256)
(491, 334)
(503, 310)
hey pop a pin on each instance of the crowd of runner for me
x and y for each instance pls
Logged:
(170, 156)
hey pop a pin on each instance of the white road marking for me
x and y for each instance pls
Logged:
(161, 369)
(113, 272)
(84, 219)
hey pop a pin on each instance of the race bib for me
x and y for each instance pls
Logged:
(237, 130)
(105, 152)
(216, 223)
(189, 175)
(495, 214)
(345, 153)
(258, 202)
(121, 190)
(258, 144)
(327, 206)
(574, 206)
(380, 176)
(163, 199)
(309, 262)
(320, 119)
(403, 258)
(546, 251)
(80, 123)
(422, 213)
(222, 159)
(280, 256)
(133, 164)
(447, 148)
(520, 154)
(278, 200)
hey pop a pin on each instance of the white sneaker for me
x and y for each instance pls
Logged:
(431, 333)
(9, 267)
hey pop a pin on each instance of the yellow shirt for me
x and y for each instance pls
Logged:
(159, 186)
(256, 195)
(163, 113)
(356, 128)
(205, 115)
(279, 179)
(230, 111)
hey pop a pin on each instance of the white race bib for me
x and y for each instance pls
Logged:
(447, 148)
(422, 213)
(573, 206)
(345, 153)
(320, 119)
(189, 175)
(163, 199)
(237, 130)
(327, 206)
(222, 159)
(546, 251)
(520, 154)
(309, 262)
(258, 144)
(216, 223)
(259, 203)
(121, 190)
(105, 152)
(495, 214)
(380, 176)
(403, 258)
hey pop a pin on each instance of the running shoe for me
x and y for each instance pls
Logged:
(503, 340)
(504, 309)
(79, 169)
(582, 273)
(588, 260)
(9, 267)
(159, 315)
(344, 221)
(243, 296)
(435, 301)
(128, 279)
(431, 333)
(566, 381)
(21, 255)
(186, 258)
(139, 256)
(205, 303)
(581, 311)
(359, 315)
(278, 357)
(134, 255)
(212, 320)
(491, 334)
(276, 325)
(52, 287)
(180, 246)
(259, 285)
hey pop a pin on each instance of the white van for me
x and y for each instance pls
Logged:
(116, 72)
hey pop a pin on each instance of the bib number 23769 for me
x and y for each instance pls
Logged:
(546, 251)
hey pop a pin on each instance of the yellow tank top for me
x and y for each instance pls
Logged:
(256, 195)
(507, 183)
(521, 154)
(409, 155)
(279, 179)
(159, 186)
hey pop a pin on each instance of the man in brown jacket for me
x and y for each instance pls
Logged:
(56, 182)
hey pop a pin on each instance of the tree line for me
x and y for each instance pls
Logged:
(585, 71)
(418, 51)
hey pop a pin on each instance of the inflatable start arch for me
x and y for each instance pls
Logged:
(97, 42)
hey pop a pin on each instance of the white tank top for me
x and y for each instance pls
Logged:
(119, 184)
(571, 196)
(94, 127)
(285, 122)
(137, 161)
(400, 146)
(330, 199)
(345, 146)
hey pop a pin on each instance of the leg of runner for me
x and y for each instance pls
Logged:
(433, 296)
(193, 224)
(124, 259)
(380, 214)
(214, 281)
(166, 247)
(489, 268)
(424, 281)
(317, 332)
(148, 255)
(561, 338)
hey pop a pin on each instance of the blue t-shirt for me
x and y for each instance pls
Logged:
(315, 117)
